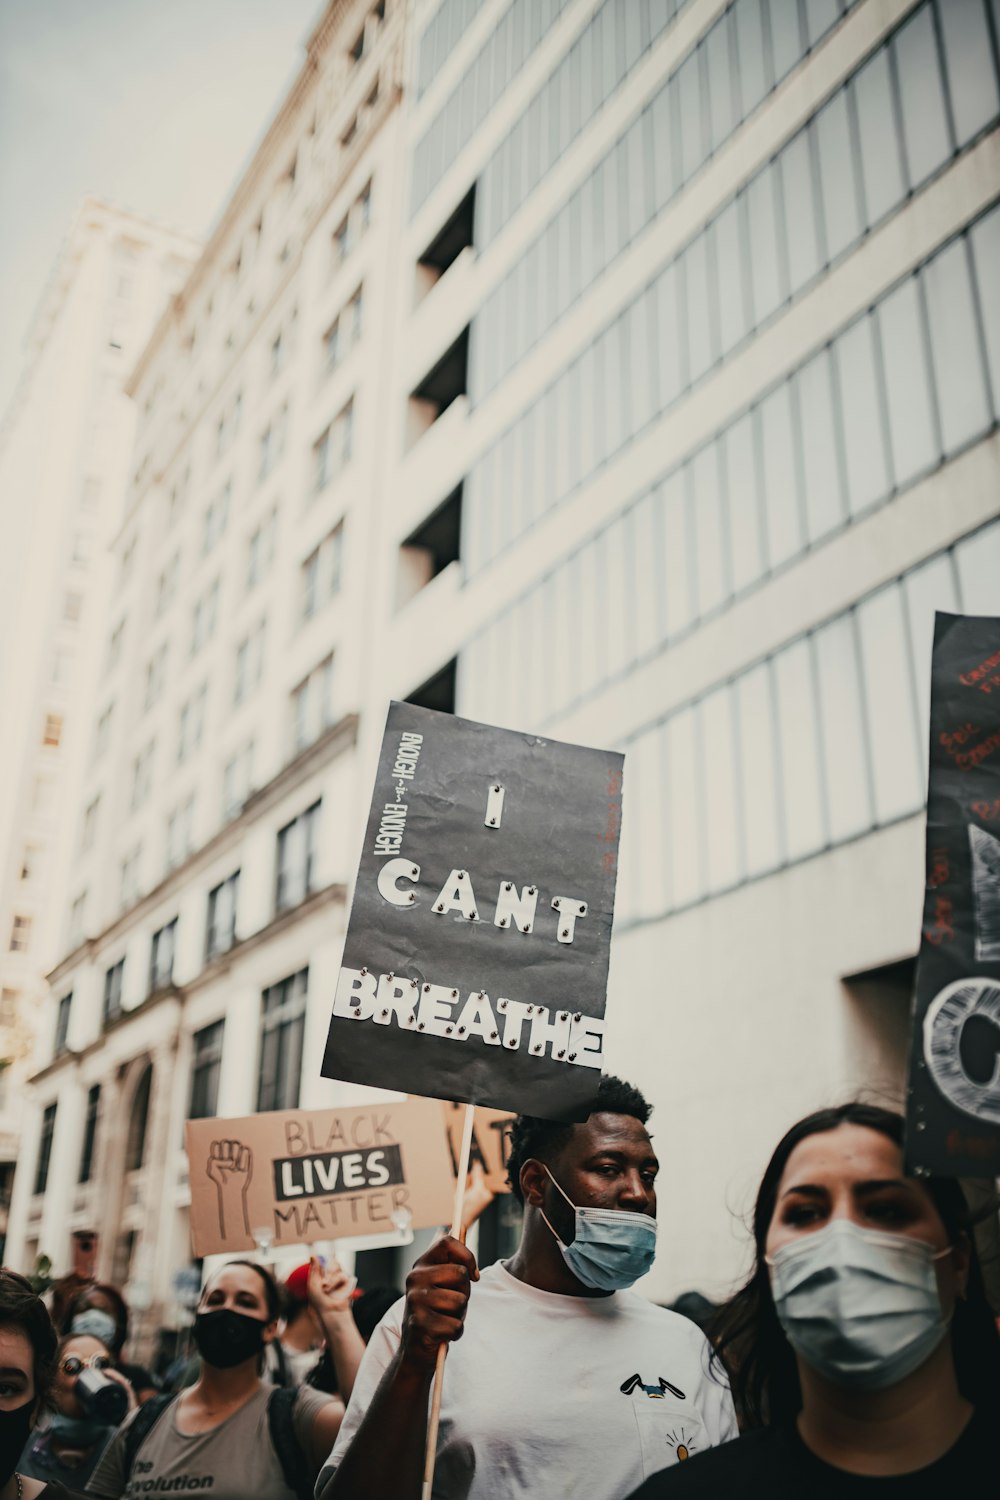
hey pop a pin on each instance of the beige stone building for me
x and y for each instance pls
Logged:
(65, 447)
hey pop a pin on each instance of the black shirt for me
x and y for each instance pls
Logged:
(775, 1462)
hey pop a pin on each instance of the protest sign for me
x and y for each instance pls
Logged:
(318, 1174)
(490, 1142)
(953, 1109)
(476, 957)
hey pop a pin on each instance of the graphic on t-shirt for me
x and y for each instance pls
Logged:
(681, 1444)
(654, 1392)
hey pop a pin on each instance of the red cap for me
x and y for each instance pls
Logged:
(296, 1283)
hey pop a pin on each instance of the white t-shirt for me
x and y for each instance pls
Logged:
(533, 1401)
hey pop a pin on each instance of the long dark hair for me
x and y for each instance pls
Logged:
(20, 1308)
(749, 1341)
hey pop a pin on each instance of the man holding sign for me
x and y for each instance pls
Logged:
(565, 1382)
(475, 968)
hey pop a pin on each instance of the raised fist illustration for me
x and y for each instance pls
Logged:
(230, 1167)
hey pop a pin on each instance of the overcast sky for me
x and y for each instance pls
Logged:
(155, 105)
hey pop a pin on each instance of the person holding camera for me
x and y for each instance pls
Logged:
(89, 1400)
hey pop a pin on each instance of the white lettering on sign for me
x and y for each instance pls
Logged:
(569, 908)
(391, 829)
(494, 805)
(439, 1010)
(515, 908)
(390, 873)
(407, 756)
(456, 895)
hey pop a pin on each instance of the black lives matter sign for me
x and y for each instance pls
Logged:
(476, 958)
(953, 1114)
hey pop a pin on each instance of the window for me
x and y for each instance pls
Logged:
(90, 823)
(249, 664)
(135, 1146)
(282, 1027)
(216, 516)
(114, 979)
(312, 705)
(89, 1132)
(272, 443)
(260, 550)
(166, 584)
(206, 1065)
(191, 724)
(344, 332)
(142, 774)
(221, 928)
(161, 956)
(77, 913)
(155, 675)
(115, 645)
(20, 934)
(52, 732)
(45, 1148)
(296, 859)
(180, 833)
(205, 615)
(102, 735)
(332, 450)
(322, 572)
(61, 1041)
(130, 876)
(236, 782)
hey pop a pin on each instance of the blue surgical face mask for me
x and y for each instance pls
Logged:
(859, 1306)
(611, 1248)
(99, 1324)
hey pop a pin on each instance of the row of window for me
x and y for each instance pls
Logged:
(500, 59)
(921, 98)
(821, 742)
(748, 52)
(282, 1029)
(272, 440)
(296, 850)
(912, 381)
(903, 387)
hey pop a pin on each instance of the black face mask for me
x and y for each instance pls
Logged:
(226, 1338)
(14, 1429)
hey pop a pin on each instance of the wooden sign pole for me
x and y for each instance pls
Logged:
(458, 1233)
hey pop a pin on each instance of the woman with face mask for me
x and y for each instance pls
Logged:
(88, 1399)
(862, 1353)
(229, 1432)
(27, 1356)
(100, 1311)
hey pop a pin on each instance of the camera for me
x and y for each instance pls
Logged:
(102, 1399)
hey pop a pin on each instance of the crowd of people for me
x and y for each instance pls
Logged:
(860, 1358)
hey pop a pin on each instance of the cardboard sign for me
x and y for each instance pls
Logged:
(490, 1143)
(953, 1112)
(476, 959)
(317, 1174)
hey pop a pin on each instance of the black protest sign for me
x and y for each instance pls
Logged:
(476, 959)
(953, 1114)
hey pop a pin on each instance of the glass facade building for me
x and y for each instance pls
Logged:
(728, 440)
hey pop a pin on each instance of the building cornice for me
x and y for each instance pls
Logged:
(336, 741)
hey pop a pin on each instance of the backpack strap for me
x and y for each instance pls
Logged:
(294, 1464)
(142, 1425)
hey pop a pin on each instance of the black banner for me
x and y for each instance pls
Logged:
(953, 1113)
(476, 959)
